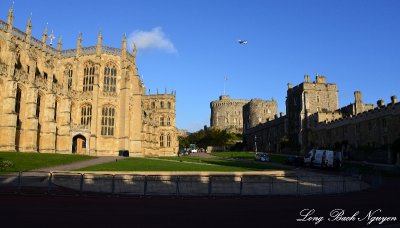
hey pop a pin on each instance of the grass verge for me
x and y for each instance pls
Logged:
(229, 163)
(276, 158)
(162, 164)
(28, 161)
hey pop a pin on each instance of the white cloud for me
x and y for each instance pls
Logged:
(154, 39)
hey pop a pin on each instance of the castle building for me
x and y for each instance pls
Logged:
(305, 99)
(313, 120)
(227, 114)
(88, 100)
(364, 135)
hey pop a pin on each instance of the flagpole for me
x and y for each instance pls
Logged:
(225, 79)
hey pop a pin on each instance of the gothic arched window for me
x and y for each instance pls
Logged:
(162, 140)
(38, 106)
(88, 77)
(162, 121)
(18, 106)
(69, 72)
(107, 120)
(168, 140)
(86, 114)
(110, 78)
(168, 121)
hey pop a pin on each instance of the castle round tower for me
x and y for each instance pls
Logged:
(259, 111)
(227, 114)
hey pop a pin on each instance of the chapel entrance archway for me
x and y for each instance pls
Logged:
(79, 144)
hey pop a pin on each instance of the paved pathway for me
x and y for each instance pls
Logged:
(81, 164)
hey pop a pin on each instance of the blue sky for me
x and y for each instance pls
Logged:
(189, 46)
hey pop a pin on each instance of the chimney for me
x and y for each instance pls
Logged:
(281, 114)
(393, 99)
(306, 78)
(380, 103)
(289, 85)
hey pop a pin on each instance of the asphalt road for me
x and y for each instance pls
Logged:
(103, 211)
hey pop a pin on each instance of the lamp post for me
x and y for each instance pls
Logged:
(255, 143)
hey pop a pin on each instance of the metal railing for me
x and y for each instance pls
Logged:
(61, 183)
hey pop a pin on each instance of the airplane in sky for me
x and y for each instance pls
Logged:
(242, 41)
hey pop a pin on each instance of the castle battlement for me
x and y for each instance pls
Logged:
(377, 112)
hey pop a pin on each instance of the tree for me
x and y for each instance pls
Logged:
(211, 137)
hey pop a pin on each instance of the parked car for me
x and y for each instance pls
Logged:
(183, 151)
(261, 156)
(295, 160)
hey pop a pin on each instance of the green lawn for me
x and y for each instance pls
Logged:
(236, 155)
(276, 158)
(230, 163)
(28, 161)
(149, 164)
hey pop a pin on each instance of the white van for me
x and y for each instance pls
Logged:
(323, 158)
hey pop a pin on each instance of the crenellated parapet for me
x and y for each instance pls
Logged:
(371, 114)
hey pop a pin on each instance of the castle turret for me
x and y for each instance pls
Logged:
(259, 111)
(320, 79)
(357, 97)
(358, 102)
